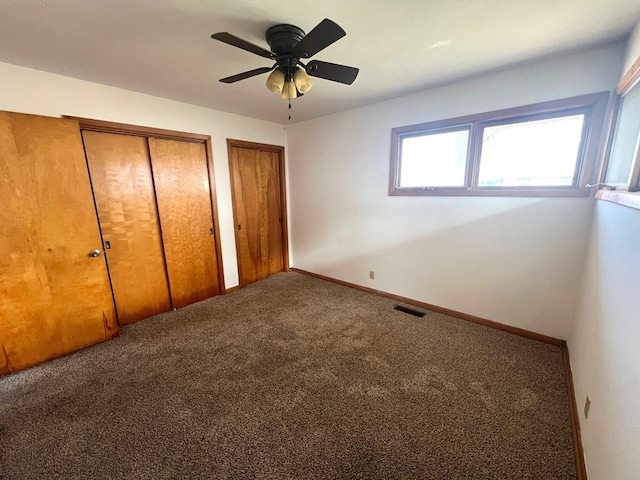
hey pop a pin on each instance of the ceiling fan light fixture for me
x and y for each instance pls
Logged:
(288, 76)
(289, 91)
(302, 81)
(275, 81)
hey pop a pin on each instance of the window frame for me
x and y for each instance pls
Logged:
(593, 106)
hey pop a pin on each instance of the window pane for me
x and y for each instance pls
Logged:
(625, 139)
(434, 160)
(535, 153)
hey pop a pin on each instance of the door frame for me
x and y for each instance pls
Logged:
(279, 150)
(92, 125)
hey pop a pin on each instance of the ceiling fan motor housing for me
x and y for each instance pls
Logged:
(283, 38)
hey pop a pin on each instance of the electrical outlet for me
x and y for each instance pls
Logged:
(587, 406)
(372, 275)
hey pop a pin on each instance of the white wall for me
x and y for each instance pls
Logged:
(632, 51)
(604, 345)
(604, 342)
(31, 91)
(512, 260)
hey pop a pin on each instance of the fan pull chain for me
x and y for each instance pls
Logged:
(289, 109)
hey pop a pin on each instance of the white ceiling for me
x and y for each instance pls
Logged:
(163, 47)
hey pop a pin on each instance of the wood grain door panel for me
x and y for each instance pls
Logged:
(257, 206)
(54, 298)
(273, 204)
(184, 202)
(123, 187)
(249, 231)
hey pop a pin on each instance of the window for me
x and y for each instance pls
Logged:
(546, 149)
(623, 169)
(438, 159)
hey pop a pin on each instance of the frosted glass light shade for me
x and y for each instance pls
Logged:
(275, 81)
(289, 90)
(302, 80)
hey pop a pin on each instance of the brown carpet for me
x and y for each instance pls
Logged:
(293, 378)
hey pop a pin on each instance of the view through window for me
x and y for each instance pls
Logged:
(435, 160)
(536, 153)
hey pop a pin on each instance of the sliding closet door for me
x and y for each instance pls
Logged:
(54, 288)
(258, 209)
(183, 194)
(123, 188)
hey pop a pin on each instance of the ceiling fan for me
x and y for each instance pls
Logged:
(288, 43)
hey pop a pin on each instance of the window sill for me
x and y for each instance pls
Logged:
(627, 199)
(490, 192)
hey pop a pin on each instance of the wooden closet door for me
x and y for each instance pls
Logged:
(257, 206)
(54, 297)
(183, 194)
(123, 189)
(270, 169)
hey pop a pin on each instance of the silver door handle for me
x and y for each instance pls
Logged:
(95, 253)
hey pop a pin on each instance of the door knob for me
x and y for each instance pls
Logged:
(94, 253)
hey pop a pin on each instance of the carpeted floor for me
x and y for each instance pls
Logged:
(293, 378)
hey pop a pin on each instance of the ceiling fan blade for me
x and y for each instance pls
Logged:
(332, 71)
(243, 75)
(323, 35)
(229, 39)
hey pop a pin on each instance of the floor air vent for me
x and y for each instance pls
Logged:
(410, 311)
